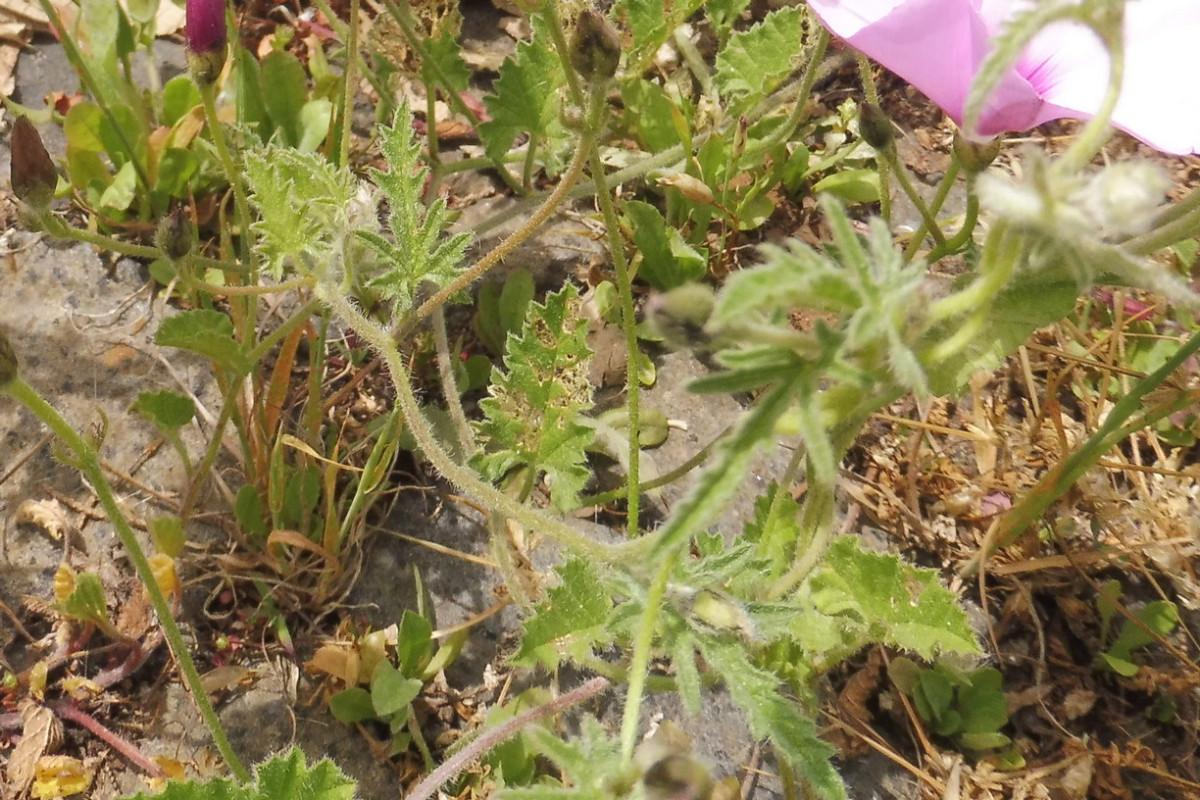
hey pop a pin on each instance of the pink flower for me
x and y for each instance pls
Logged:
(938, 46)
(205, 26)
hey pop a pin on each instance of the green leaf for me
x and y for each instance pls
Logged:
(284, 91)
(175, 169)
(500, 311)
(313, 124)
(120, 193)
(652, 115)
(444, 50)
(531, 416)
(87, 601)
(983, 706)
(168, 535)
(851, 185)
(391, 692)
(414, 643)
(248, 94)
(895, 603)
(723, 13)
(168, 410)
(249, 511)
(1029, 301)
(570, 620)
(755, 62)
(180, 96)
(352, 705)
(419, 253)
(527, 101)
(280, 776)
(592, 761)
(772, 717)
(207, 332)
(306, 206)
(1160, 617)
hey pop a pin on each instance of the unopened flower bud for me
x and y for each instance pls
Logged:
(875, 126)
(679, 316)
(206, 36)
(8, 362)
(595, 47)
(975, 157)
(34, 177)
(175, 234)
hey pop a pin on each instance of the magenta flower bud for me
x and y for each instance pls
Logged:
(33, 175)
(206, 36)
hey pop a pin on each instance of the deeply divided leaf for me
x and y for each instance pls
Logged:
(532, 416)
(417, 252)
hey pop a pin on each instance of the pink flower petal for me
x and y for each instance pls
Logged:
(938, 46)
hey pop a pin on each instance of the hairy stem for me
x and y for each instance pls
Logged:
(89, 465)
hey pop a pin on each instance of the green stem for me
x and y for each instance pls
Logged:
(462, 477)
(594, 102)
(643, 649)
(662, 480)
(89, 465)
(59, 229)
(1122, 421)
(93, 87)
(871, 91)
(349, 88)
(939, 199)
(208, 97)
(547, 209)
(450, 391)
(927, 220)
(1182, 226)
(960, 239)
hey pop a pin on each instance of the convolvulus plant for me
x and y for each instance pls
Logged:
(784, 601)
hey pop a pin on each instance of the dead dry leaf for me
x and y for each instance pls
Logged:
(49, 515)
(41, 734)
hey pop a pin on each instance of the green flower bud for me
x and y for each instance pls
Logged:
(8, 362)
(679, 316)
(875, 126)
(595, 47)
(34, 177)
(175, 234)
(975, 157)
